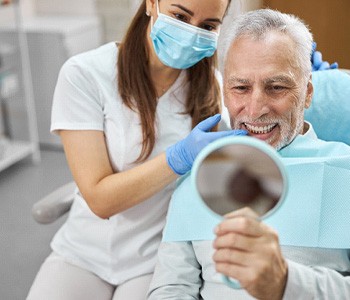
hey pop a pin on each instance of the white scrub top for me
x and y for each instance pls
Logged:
(86, 98)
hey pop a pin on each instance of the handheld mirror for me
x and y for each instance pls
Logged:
(236, 172)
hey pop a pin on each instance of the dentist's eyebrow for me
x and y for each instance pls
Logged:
(191, 13)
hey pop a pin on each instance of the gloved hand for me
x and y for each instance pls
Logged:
(317, 63)
(181, 155)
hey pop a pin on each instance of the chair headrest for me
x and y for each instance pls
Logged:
(329, 112)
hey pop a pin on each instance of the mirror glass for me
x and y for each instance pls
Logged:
(236, 175)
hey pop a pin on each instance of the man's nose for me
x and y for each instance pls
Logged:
(257, 105)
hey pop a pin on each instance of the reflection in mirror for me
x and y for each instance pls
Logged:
(239, 175)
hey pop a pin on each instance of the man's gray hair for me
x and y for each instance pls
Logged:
(258, 23)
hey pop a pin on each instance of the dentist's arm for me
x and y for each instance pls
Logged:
(107, 192)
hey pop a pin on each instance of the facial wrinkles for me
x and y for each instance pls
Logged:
(288, 78)
(290, 124)
(282, 122)
(299, 111)
(285, 108)
(292, 127)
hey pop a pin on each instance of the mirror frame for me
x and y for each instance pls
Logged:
(247, 141)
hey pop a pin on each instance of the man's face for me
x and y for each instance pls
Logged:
(264, 90)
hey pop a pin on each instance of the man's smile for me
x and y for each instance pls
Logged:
(260, 129)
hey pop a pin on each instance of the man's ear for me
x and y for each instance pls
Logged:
(309, 93)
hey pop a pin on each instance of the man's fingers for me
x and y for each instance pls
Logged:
(236, 257)
(235, 241)
(241, 224)
(245, 211)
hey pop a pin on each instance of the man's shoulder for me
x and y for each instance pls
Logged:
(332, 147)
(305, 146)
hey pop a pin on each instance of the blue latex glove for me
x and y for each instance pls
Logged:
(181, 155)
(317, 63)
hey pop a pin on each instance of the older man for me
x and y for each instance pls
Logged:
(267, 86)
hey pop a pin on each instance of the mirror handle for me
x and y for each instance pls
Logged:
(232, 283)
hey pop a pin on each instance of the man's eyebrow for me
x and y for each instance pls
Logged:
(191, 13)
(234, 79)
(280, 78)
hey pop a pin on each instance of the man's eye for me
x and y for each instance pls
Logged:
(241, 88)
(276, 88)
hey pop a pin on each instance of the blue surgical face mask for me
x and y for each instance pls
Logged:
(180, 45)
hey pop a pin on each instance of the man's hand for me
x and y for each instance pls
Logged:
(248, 250)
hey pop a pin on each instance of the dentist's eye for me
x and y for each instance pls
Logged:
(209, 27)
(181, 17)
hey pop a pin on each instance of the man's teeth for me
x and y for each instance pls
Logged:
(260, 129)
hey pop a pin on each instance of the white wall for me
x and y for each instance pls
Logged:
(66, 7)
(28, 8)
(114, 14)
(7, 12)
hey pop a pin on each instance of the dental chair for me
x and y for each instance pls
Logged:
(54, 205)
(329, 114)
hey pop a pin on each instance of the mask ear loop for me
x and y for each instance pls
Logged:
(151, 22)
(157, 6)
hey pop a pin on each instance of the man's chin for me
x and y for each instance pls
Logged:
(283, 143)
(271, 140)
(277, 144)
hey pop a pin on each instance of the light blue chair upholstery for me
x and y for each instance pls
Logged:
(329, 112)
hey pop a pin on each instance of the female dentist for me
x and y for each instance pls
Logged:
(124, 113)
